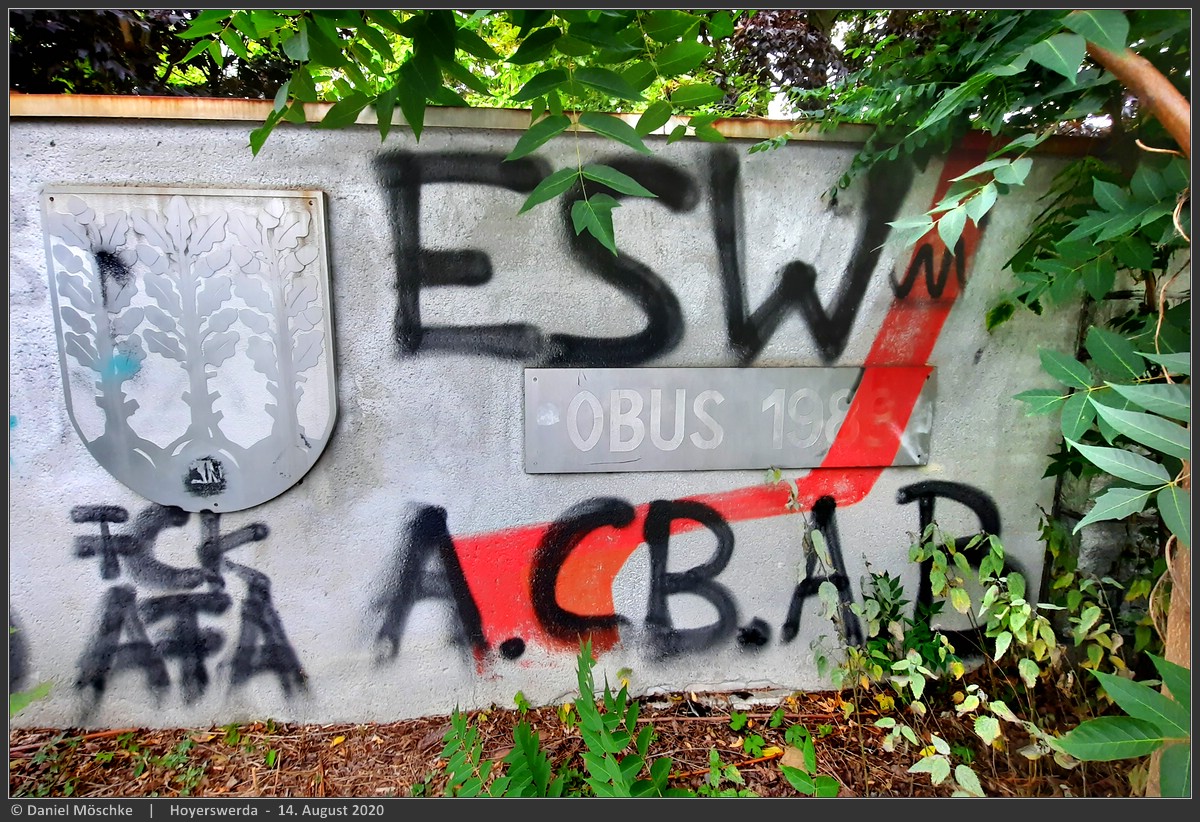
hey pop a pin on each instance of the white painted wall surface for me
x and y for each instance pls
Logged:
(433, 428)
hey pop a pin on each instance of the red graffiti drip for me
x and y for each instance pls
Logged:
(498, 565)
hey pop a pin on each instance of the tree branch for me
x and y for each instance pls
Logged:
(1152, 89)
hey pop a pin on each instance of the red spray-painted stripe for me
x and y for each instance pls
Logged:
(498, 565)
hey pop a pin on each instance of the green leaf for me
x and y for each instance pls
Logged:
(538, 134)
(680, 58)
(235, 43)
(639, 75)
(411, 98)
(1176, 771)
(654, 117)
(668, 25)
(302, 87)
(259, 135)
(938, 768)
(1172, 400)
(324, 43)
(1148, 185)
(377, 41)
(1110, 197)
(1134, 252)
(387, 20)
(1003, 640)
(345, 111)
(721, 25)
(20, 700)
(1174, 503)
(1153, 432)
(989, 165)
(999, 314)
(281, 96)
(616, 180)
(950, 226)
(1014, 173)
(1141, 701)
(551, 187)
(1124, 464)
(979, 205)
(1177, 678)
(207, 22)
(1099, 276)
(798, 779)
(689, 95)
(1041, 400)
(1116, 503)
(198, 47)
(1110, 737)
(708, 134)
(1107, 28)
(536, 46)
(1062, 53)
(464, 76)
(541, 83)
(677, 133)
(613, 128)
(1066, 370)
(827, 787)
(987, 728)
(967, 780)
(1028, 670)
(1174, 363)
(214, 51)
(473, 44)
(960, 600)
(956, 98)
(608, 82)
(1025, 141)
(1077, 415)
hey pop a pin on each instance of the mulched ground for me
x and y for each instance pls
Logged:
(403, 759)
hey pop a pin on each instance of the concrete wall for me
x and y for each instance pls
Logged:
(404, 572)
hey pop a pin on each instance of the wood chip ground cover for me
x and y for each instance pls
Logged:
(403, 758)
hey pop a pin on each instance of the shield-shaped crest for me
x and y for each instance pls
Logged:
(195, 337)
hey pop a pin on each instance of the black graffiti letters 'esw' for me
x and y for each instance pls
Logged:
(887, 185)
(403, 176)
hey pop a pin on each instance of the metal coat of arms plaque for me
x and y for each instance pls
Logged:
(195, 337)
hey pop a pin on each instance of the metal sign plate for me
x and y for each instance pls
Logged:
(703, 419)
(195, 336)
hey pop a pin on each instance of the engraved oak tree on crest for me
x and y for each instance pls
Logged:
(284, 311)
(191, 321)
(95, 285)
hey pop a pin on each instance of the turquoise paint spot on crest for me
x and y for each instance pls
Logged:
(122, 366)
